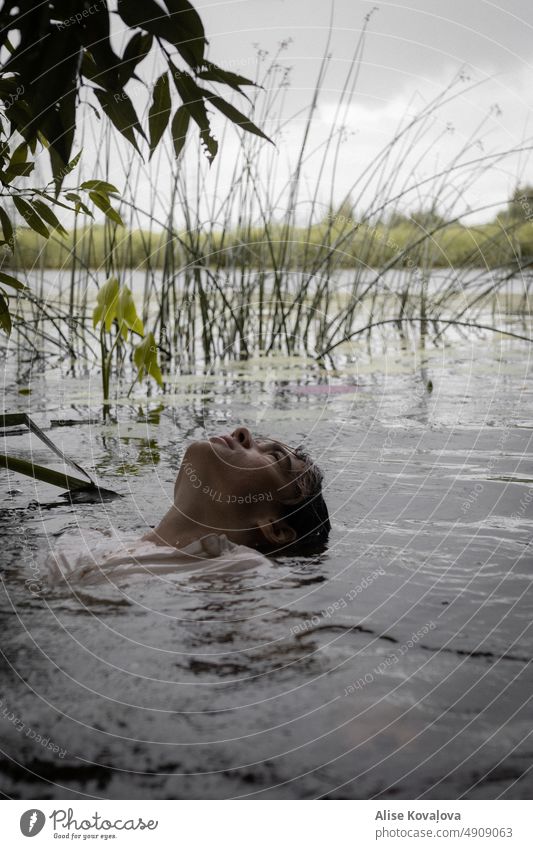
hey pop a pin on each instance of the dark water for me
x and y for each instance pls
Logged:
(396, 664)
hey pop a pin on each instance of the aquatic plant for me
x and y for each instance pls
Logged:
(268, 261)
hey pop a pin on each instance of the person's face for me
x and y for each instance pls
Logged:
(242, 470)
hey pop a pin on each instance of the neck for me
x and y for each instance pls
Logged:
(176, 529)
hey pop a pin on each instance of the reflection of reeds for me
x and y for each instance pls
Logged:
(265, 269)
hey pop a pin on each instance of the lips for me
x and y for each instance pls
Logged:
(223, 440)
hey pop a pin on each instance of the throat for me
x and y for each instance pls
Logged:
(175, 530)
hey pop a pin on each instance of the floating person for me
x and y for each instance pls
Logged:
(236, 498)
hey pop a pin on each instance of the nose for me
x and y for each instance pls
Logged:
(243, 435)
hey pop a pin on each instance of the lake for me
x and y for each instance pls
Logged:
(396, 664)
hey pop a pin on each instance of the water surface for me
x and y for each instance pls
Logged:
(395, 664)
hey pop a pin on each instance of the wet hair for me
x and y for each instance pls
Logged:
(307, 514)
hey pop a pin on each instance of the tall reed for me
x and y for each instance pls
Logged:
(263, 261)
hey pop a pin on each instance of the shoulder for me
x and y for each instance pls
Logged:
(231, 554)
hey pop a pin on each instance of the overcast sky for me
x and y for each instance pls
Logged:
(412, 51)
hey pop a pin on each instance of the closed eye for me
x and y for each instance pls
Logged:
(279, 454)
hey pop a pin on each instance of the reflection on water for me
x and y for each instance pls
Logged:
(395, 664)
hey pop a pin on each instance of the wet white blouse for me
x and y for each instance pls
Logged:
(97, 557)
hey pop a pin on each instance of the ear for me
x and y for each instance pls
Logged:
(277, 532)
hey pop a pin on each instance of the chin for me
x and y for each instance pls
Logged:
(197, 448)
(203, 454)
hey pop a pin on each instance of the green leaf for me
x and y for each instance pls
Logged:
(31, 217)
(192, 97)
(145, 359)
(51, 199)
(7, 227)
(119, 109)
(127, 314)
(219, 75)
(8, 88)
(102, 202)
(100, 186)
(188, 31)
(49, 216)
(179, 127)
(106, 303)
(79, 204)
(43, 473)
(72, 164)
(7, 280)
(5, 318)
(18, 169)
(159, 111)
(20, 154)
(183, 27)
(237, 117)
(143, 13)
(136, 50)
(90, 69)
